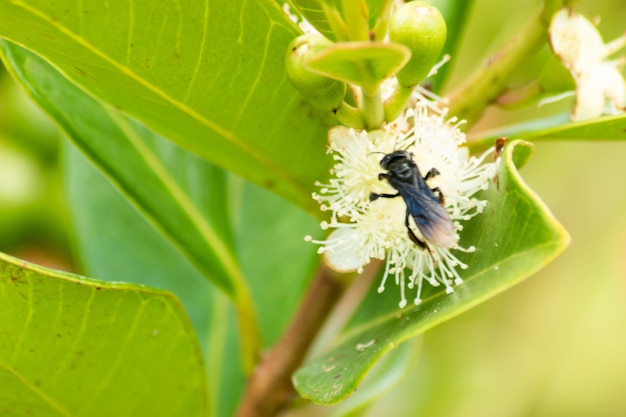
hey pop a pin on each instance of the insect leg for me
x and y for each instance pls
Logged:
(432, 173)
(419, 242)
(412, 236)
(374, 196)
(436, 190)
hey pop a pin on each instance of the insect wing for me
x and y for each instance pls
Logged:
(432, 219)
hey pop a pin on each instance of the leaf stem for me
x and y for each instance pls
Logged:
(396, 104)
(471, 99)
(349, 116)
(269, 387)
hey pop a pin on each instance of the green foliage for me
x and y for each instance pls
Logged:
(336, 19)
(150, 64)
(73, 346)
(129, 154)
(101, 215)
(558, 127)
(170, 110)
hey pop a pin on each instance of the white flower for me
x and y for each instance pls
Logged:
(365, 229)
(579, 46)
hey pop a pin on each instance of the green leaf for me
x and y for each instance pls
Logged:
(207, 75)
(277, 263)
(178, 192)
(101, 219)
(514, 237)
(278, 277)
(313, 12)
(386, 374)
(146, 169)
(558, 127)
(76, 347)
(366, 64)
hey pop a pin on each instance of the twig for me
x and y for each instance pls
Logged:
(470, 100)
(269, 387)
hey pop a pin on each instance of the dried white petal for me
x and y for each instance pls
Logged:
(600, 86)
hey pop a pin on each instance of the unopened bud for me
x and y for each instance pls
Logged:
(421, 28)
(322, 92)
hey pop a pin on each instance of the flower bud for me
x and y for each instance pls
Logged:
(420, 27)
(322, 92)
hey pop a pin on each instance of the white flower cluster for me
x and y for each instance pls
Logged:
(365, 229)
(600, 86)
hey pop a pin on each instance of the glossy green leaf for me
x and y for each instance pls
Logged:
(387, 373)
(366, 64)
(276, 261)
(313, 12)
(101, 219)
(146, 168)
(157, 176)
(207, 75)
(559, 127)
(76, 347)
(514, 237)
(137, 160)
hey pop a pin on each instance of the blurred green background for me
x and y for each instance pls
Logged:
(33, 220)
(552, 346)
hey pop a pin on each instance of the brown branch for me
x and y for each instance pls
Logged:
(269, 387)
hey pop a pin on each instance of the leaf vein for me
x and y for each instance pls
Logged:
(196, 69)
(225, 133)
(35, 389)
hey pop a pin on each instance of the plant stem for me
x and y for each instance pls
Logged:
(471, 99)
(372, 109)
(269, 387)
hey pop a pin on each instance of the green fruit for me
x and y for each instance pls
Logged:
(322, 92)
(421, 28)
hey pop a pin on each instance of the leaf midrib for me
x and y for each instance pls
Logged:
(224, 255)
(224, 133)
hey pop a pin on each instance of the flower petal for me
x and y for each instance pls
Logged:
(601, 82)
(575, 40)
(344, 252)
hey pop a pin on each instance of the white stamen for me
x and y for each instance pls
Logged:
(365, 230)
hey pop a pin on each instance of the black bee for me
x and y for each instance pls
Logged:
(423, 203)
